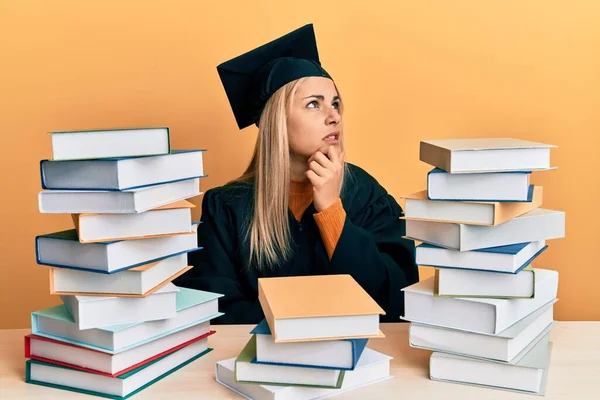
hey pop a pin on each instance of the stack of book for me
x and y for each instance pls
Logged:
(487, 312)
(122, 324)
(312, 342)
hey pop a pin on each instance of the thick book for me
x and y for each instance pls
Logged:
(492, 315)
(461, 283)
(373, 367)
(77, 357)
(267, 374)
(493, 186)
(122, 173)
(135, 282)
(321, 307)
(170, 219)
(121, 387)
(525, 375)
(335, 354)
(505, 259)
(116, 202)
(96, 311)
(105, 143)
(418, 207)
(63, 249)
(194, 307)
(486, 155)
(538, 224)
(504, 346)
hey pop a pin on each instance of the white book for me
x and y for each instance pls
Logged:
(485, 155)
(528, 375)
(193, 307)
(140, 281)
(71, 379)
(77, 357)
(63, 249)
(480, 315)
(89, 144)
(170, 219)
(538, 224)
(507, 259)
(94, 311)
(463, 283)
(122, 173)
(116, 202)
(493, 186)
(504, 346)
(372, 367)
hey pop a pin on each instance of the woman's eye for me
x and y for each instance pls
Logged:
(312, 102)
(336, 105)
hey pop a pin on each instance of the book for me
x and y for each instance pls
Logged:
(194, 307)
(480, 315)
(63, 249)
(121, 387)
(170, 219)
(77, 357)
(267, 374)
(95, 311)
(504, 346)
(492, 186)
(322, 307)
(538, 224)
(104, 143)
(527, 375)
(372, 367)
(335, 354)
(486, 155)
(418, 207)
(135, 282)
(116, 202)
(506, 259)
(462, 283)
(122, 173)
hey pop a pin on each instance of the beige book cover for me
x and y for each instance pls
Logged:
(503, 211)
(314, 296)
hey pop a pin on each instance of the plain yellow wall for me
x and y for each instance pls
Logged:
(408, 71)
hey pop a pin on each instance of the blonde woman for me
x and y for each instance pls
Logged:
(299, 209)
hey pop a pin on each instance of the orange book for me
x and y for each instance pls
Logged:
(321, 307)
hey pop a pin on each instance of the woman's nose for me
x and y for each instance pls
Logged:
(333, 117)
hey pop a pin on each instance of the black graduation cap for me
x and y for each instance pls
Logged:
(251, 78)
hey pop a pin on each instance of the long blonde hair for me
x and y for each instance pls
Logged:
(268, 229)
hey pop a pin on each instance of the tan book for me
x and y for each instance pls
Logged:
(419, 207)
(321, 307)
(486, 155)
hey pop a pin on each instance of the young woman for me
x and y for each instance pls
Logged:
(299, 209)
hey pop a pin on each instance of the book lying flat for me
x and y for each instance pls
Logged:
(69, 355)
(373, 367)
(104, 143)
(418, 207)
(97, 311)
(323, 307)
(194, 307)
(461, 283)
(135, 282)
(122, 173)
(480, 315)
(121, 387)
(486, 155)
(170, 219)
(335, 354)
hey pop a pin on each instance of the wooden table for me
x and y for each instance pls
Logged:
(574, 369)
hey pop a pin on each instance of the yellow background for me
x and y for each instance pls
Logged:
(408, 71)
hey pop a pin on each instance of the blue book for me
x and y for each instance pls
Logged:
(330, 354)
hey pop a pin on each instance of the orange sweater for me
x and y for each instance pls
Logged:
(330, 221)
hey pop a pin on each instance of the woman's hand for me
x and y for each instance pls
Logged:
(325, 174)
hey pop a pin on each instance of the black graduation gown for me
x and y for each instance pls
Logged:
(370, 248)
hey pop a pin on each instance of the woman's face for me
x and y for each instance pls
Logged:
(314, 120)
